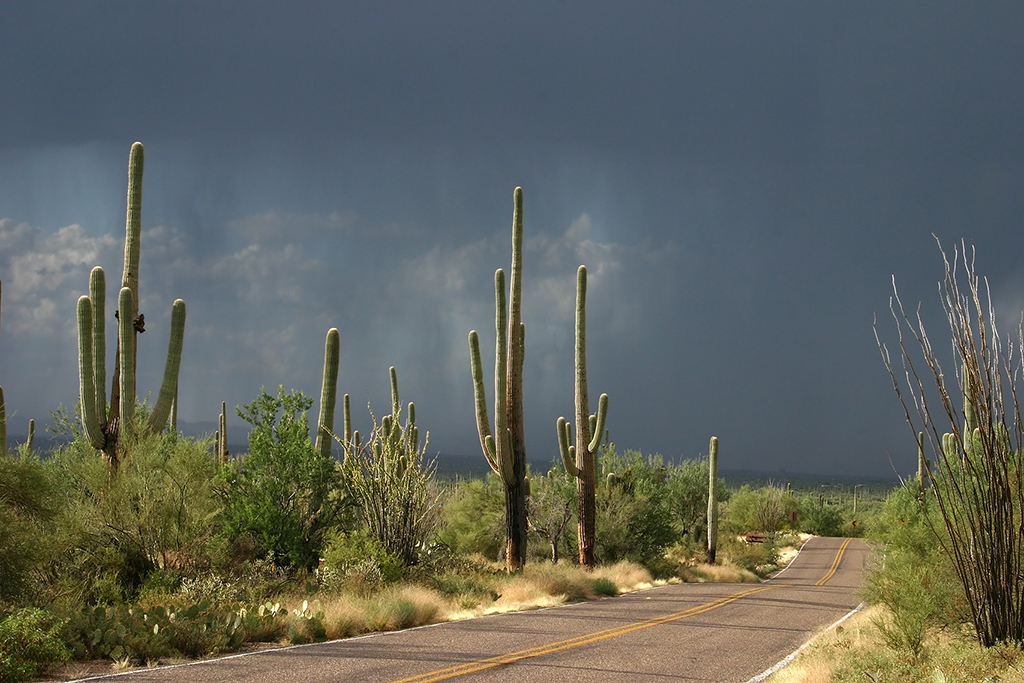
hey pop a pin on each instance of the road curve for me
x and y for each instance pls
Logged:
(685, 632)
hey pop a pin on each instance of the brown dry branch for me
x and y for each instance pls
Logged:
(977, 478)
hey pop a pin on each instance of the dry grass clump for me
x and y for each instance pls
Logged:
(627, 576)
(855, 651)
(716, 573)
(394, 608)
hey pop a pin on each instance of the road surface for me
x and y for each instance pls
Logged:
(685, 632)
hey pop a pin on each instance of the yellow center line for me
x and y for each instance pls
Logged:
(835, 564)
(509, 658)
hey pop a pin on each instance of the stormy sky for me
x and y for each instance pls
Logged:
(742, 180)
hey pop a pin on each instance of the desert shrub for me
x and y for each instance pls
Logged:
(760, 558)
(912, 576)
(283, 495)
(156, 509)
(634, 519)
(29, 643)
(356, 559)
(27, 503)
(392, 485)
(688, 497)
(763, 510)
(473, 517)
(550, 510)
(603, 586)
(820, 518)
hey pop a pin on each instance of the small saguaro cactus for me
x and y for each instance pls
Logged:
(712, 500)
(31, 435)
(102, 428)
(505, 449)
(328, 393)
(222, 434)
(579, 460)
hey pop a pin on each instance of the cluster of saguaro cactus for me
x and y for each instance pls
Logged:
(712, 500)
(505, 448)
(328, 392)
(579, 459)
(102, 428)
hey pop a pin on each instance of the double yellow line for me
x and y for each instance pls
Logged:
(501, 660)
(835, 564)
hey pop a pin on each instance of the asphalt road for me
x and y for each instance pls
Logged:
(687, 632)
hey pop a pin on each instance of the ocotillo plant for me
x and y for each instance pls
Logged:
(579, 460)
(922, 462)
(712, 500)
(328, 393)
(102, 428)
(505, 449)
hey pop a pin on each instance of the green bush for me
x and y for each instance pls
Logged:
(820, 518)
(473, 517)
(912, 575)
(357, 559)
(29, 643)
(27, 503)
(634, 519)
(116, 526)
(283, 495)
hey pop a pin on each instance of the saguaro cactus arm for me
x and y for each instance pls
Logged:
(87, 393)
(126, 339)
(328, 392)
(567, 452)
(169, 386)
(598, 428)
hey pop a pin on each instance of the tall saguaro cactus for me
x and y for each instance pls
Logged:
(505, 449)
(328, 393)
(101, 427)
(579, 459)
(712, 500)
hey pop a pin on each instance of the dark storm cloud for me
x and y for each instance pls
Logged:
(748, 176)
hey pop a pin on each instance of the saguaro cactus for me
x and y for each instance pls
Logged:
(505, 449)
(579, 460)
(712, 500)
(103, 431)
(3, 421)
(328, 393)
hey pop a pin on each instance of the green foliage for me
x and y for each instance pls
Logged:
(27, 502)
(29, 643)
(358, 559)
(552, 505)
(190, 629)
(763, 510)
(473, 519)
(820, 518)
(284, 494)
(605, 586)
(155, 510)
(912, 576)
(687, 485)
(392, 486)
(634, 518)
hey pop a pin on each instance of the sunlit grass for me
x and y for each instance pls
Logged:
(855, 651)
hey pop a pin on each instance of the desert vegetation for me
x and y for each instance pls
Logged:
(135, 544)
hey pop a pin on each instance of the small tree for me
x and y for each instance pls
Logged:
(284, 493)
(978, 481)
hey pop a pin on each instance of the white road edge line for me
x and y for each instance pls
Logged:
(768, 672)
